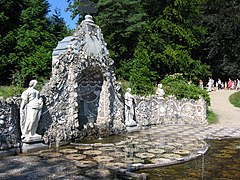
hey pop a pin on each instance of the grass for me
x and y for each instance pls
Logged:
(235, 99)
(211, 117)
(9, 91)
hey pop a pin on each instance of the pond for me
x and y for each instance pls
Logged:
(222, 161)
(157, 147)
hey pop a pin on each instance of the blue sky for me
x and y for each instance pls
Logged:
(62, 4)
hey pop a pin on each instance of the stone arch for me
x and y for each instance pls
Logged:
(89, 87)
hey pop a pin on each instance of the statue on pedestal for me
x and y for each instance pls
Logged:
(30, 113)
(129, 109)
(160, 92)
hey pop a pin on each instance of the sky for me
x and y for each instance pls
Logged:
(62, 4)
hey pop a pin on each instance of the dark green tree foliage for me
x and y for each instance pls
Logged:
(142, 78)
(173, 38)
(33, 38)
(10, 12)
(121, 23)
(33, 41)
(222, 41)
(57, 26)
(81, 8)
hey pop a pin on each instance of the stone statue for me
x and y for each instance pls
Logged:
(129, 108)
(160, 92)
(30, 112)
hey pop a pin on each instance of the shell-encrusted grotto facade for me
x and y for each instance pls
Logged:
(82, 91)
(83, 99)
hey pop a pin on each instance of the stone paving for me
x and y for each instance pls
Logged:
(62, 165)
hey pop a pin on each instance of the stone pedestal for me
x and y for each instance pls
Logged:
(132, 128)
(28, 148)
(131, 123)
(36, 138)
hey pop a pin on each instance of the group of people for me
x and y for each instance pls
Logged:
(233, 84)
(219, 85)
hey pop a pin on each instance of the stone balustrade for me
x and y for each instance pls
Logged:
(152, 110)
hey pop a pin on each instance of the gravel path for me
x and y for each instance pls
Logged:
(228, 115)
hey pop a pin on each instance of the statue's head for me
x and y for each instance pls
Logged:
(160, 86)
(129, 89)
(33, 83)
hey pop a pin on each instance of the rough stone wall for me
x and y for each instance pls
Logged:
(9, 123)
(152, 111)
(149, 111)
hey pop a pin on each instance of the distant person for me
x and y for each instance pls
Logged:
(219, 86)
(209, 85)
(226, 85)
(212, 84)
(223, 87)
(234, 85)
(229, 84)
(238, 85)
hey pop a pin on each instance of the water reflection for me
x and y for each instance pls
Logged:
(222, 161)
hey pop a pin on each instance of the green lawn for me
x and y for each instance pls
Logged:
(235, 99)
(211, 116)
(8, 91)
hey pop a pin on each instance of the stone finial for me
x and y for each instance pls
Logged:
(88, 18)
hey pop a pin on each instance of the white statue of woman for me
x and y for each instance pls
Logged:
(129, 108)
(30, 112)
(160, 92)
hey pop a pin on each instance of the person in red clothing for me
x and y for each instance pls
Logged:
(229, 84)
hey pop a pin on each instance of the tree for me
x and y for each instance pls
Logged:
(222, 41)
(81, 8)
(9, 20)
(121, 23)
(27, 45)
(173, 38)
(141, 76)
(33, 41)
(57, 25)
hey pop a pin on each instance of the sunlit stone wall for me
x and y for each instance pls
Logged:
(9, 123)
(152, 111)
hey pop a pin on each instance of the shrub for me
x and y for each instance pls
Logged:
(179, 87)
(235, 99)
